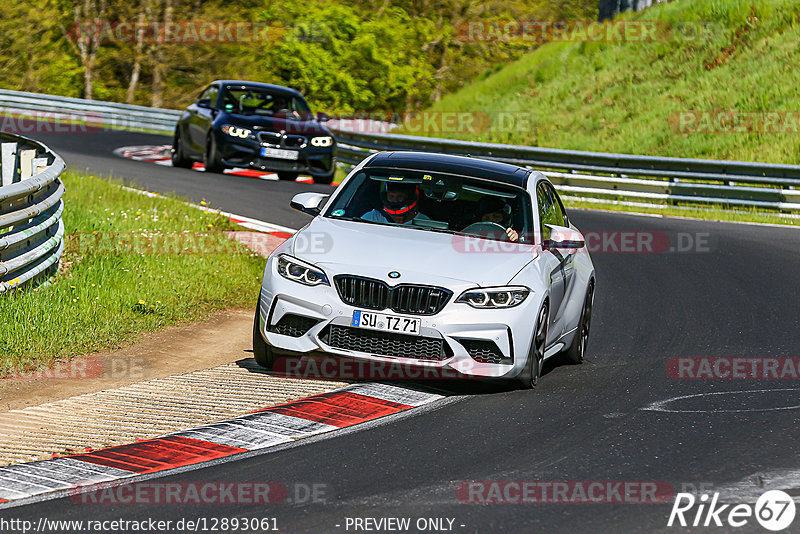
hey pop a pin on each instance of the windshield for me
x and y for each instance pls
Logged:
(435, 202)
(257, 101)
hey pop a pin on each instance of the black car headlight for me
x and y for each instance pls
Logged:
(322, 141)
(300, 271)
(236, 131)
(495, 297)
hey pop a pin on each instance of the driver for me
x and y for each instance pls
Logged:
(496, 210)
(399, 204)
(250, 101)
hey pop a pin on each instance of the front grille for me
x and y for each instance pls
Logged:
(279, 140)
(484, 351)
(385, 343)
(270, 138)
(293, 325)
(378, 295)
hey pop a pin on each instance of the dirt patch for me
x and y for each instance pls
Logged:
(224, 338)
(738, 40)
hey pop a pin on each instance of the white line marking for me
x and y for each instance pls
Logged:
(660, 406)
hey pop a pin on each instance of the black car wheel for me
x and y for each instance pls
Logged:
(577, 350)
(529, 377)
(211, 159)
(288, 176)
(263, 353)
(178, 157)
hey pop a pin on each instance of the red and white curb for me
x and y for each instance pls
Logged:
(161, 155)
(262, 429)
(269, 427)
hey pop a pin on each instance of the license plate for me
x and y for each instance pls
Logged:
(387, 323)
(267, 152)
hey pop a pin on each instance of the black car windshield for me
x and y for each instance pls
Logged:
(258, 101)
(435, 202)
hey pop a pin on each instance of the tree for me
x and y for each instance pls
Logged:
(88, 17)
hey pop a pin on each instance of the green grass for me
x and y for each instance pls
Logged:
(712, 213)
(117, 280)
(625, 96)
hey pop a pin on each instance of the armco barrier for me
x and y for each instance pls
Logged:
(93, 112)
(579, 174)
(31, 229)
(612, 176)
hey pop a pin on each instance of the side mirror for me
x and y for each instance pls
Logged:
(204, 103)
(323, 117)
(563, 238)
(308, 202)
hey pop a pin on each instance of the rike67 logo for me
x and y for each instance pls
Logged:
(774, 510)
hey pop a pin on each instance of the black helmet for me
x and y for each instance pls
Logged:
(407, 204)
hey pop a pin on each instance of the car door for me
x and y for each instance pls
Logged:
(201, 115)
(568, 261)
(553, 259)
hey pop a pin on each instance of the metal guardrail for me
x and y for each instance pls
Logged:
(612, 176)
(91, 112)
(31, 229)
(581, 175)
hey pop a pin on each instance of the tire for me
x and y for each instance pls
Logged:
(263, 353)
(529, 377)
(325, 179)
(211, 156)
(178, 157)
(288, 176)
(577, 350)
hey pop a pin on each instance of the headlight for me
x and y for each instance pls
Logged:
(301, 272)
(494, 297)
(236, 131)
(322, 141)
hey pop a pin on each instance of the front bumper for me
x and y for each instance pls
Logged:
(477, 343)
(245, 153)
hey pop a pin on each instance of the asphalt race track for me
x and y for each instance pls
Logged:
(251, 197)
(734, 296)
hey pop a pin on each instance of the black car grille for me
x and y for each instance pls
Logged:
(484, 351)
(282, 140)
(293, 325)
(378, 295)
(295, 141)
(385, 343)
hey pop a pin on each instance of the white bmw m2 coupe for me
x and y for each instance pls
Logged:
(431, 261)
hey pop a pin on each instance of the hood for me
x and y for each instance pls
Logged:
(420, 256)
(275, 124)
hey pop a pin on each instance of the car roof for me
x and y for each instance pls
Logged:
(269, 86)
(446, 163)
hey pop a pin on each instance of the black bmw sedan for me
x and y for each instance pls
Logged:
(257, 126)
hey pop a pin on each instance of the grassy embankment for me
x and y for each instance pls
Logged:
(711, 57)
(133, 264)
